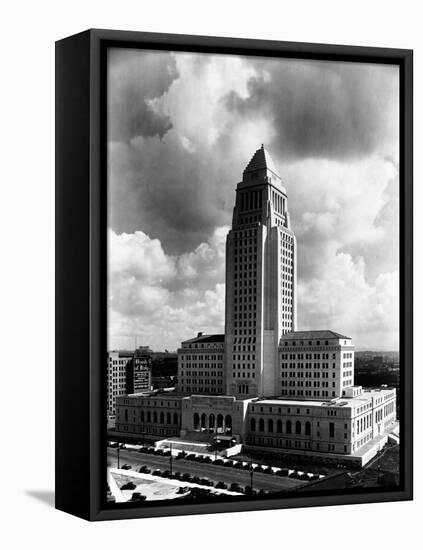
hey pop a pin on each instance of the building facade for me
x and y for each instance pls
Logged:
(139, 372)
(117, 366)
(201, 365)
(156, 414)
(315, 364)
(261, 276)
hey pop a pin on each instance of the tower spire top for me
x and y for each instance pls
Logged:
(261, 160)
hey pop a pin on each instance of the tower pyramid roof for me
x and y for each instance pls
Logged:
(261, 160)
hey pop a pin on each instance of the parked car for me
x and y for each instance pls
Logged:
(130, 486)
(206, 481)
(180, 455)
(218, 462)
(144, 470)
(137, 497)
(283, 472)
(126, 467)
(221, 485)
(157, 473)
(186, 477)
(236, 488)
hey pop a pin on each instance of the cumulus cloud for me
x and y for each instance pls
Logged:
(347, 207)
(342, 299)
(164, 299)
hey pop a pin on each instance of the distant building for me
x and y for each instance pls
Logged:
(117, 366)
(139, 371)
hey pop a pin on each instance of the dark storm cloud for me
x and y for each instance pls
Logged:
(338, 111)
(134, 79)
(168, 192)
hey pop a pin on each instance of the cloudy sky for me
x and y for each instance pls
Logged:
(181, 129)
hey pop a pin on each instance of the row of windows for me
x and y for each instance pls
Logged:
(364, 423)
(149, 416)
(214, 366)
(289, 444)
(307, 393)
(310, 343)
(205, 357)
(201, 389)
(194, 379)
(306, 374)
(281, 410)
(270, 426)
(301, 356)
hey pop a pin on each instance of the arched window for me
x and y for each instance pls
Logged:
(298, 427)
(148, 416)
(162, 417)
(270, 425)
(196, 420)
(175, 418)
(253, 424)
(155, 417)
(228, 423)
(288, 427)
(307, 428)
(261, 425)
(211, 420)
(279, 426)
(203, 420)
(219, 421)
(142, 416)
(168, 418)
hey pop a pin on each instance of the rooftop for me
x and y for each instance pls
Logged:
(350, 402)
(313, 335)
(206, 338)
(261, 160)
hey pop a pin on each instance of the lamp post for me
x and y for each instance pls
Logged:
(118, 456)
(171, 458)
(251, 476)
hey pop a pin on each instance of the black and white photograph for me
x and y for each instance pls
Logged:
(253, 289)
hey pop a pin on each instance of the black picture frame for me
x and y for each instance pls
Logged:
(81, 256)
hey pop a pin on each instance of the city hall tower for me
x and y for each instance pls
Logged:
(260, 280)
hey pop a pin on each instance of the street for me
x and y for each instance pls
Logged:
(267, 482)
